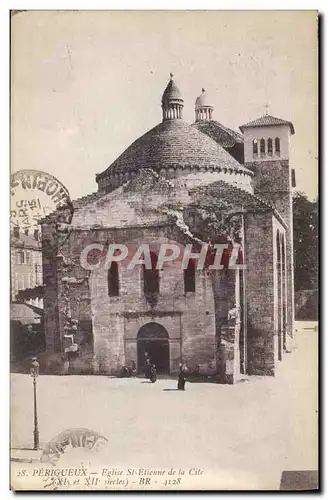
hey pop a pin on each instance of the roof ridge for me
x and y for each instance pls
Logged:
(24, 241)
(222, 135)
(77, 203)
(86, 198)
(267, 121)
(228, 129)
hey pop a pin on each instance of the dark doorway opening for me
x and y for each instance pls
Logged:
(153, 341)
(243, 324)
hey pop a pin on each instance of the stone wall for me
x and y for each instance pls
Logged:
(171, 321)
(273, 182)
(193, 320)
(188, 317)
(51, 298)
(262, 293)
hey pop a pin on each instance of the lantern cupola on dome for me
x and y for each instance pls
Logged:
(203, 108)
(172, 102)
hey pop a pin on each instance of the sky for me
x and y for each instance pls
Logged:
(86, 84)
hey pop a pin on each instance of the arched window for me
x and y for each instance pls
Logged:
(262, 146)
(190, 277)
(277, 146)
(113, 280)
(151, 276)
(255, 147)
(270, 146)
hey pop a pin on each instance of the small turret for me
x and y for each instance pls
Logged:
(203, 108)
(172, 102)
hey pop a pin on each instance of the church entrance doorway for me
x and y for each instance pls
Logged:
(153, 341)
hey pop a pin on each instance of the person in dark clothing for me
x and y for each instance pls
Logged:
(181, 379)
(147, 367)
(152, 373)
(133, 369)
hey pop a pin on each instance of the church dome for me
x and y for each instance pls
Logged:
(172, 148)
(203, 100)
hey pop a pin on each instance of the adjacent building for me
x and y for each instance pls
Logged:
(26, 266)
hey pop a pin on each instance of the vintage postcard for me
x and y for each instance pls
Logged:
(163, 242)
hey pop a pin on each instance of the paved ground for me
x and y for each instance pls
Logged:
(245, 434)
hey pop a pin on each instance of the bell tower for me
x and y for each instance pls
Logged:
(266, 150)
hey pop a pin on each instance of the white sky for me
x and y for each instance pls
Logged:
(86, 84)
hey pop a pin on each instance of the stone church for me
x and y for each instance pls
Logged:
(185, 185)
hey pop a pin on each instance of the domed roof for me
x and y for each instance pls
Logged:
(173, 144)
(203, 100)
(172, 91)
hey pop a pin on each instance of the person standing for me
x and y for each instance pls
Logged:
(133, 369)
(147, 366)
(152, 373)
(181, 379)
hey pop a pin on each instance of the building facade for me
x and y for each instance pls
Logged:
(26, 266)
(190, 186)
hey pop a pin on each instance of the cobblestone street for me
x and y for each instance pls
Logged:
(244, 434)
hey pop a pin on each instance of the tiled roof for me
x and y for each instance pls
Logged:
(172, 144)
(76, 204)
(24, 313)
(24, 241)
(224, 136)
(241, 198)
(85, 200)
(267, 121)
(221, 189)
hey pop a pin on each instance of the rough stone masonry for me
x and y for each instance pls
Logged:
(180, 184)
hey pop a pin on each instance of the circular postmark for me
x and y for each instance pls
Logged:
(36, 195)
(72, 440)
